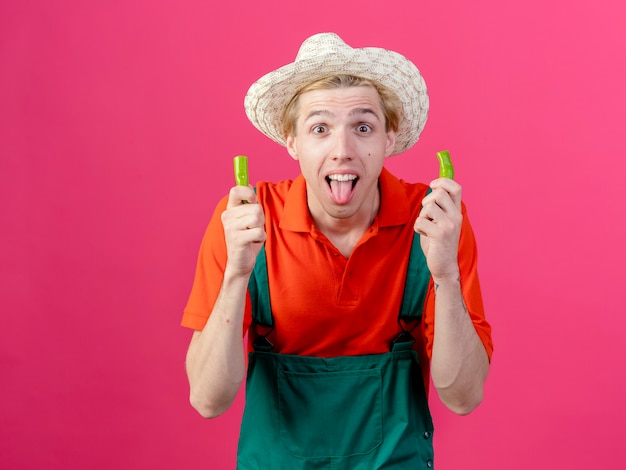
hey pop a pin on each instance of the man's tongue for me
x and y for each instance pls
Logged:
(340, 191)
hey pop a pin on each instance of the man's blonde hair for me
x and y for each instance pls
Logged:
(390, 103)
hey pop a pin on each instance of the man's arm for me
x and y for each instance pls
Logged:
(459, 363)
(215, 359)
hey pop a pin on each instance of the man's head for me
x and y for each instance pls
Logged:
(324, 60)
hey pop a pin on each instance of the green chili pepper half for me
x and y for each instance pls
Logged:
(240, 165)
(446, 170)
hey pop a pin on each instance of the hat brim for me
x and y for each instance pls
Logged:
(267, 98)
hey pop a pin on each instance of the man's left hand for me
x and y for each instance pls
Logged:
(439, 224)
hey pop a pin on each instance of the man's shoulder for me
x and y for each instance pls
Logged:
(280, 187)
(285, 200)
(398, 187)
(273, 193)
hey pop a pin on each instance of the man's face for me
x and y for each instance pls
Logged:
(341, 144)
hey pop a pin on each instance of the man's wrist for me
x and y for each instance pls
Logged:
(452, 280)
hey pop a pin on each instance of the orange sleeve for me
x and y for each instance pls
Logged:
(470, 286)
(209, 274)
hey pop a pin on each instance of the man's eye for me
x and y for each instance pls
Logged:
(319, 129)
(364, 128)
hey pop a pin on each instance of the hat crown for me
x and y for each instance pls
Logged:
(321, 44)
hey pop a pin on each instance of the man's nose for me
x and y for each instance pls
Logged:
(342, 145)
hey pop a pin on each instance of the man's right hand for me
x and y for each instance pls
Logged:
(244, 230)
(216, 359)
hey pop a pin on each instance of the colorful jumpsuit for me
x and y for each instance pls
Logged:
(364, 412)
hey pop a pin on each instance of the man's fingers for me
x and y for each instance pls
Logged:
(243, 217)
(240, 195)
(450, 187)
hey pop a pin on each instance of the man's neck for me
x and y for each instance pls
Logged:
(345, 233)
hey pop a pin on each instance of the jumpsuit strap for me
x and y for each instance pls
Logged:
(259, 289)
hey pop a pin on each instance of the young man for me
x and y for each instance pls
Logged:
(355, 287)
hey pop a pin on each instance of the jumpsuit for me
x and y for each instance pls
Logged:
(364, 412)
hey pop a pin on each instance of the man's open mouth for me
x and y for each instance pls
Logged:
(341, 187)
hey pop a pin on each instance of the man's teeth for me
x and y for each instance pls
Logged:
(342, 177)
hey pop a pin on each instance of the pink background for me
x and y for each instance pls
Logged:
(118, 121)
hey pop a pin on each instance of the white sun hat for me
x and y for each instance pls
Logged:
(326, 54)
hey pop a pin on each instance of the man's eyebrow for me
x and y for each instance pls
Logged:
(318, 112)
(354, 112)
(357, 111)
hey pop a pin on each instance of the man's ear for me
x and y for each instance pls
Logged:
(391, 143)
(291, 147)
